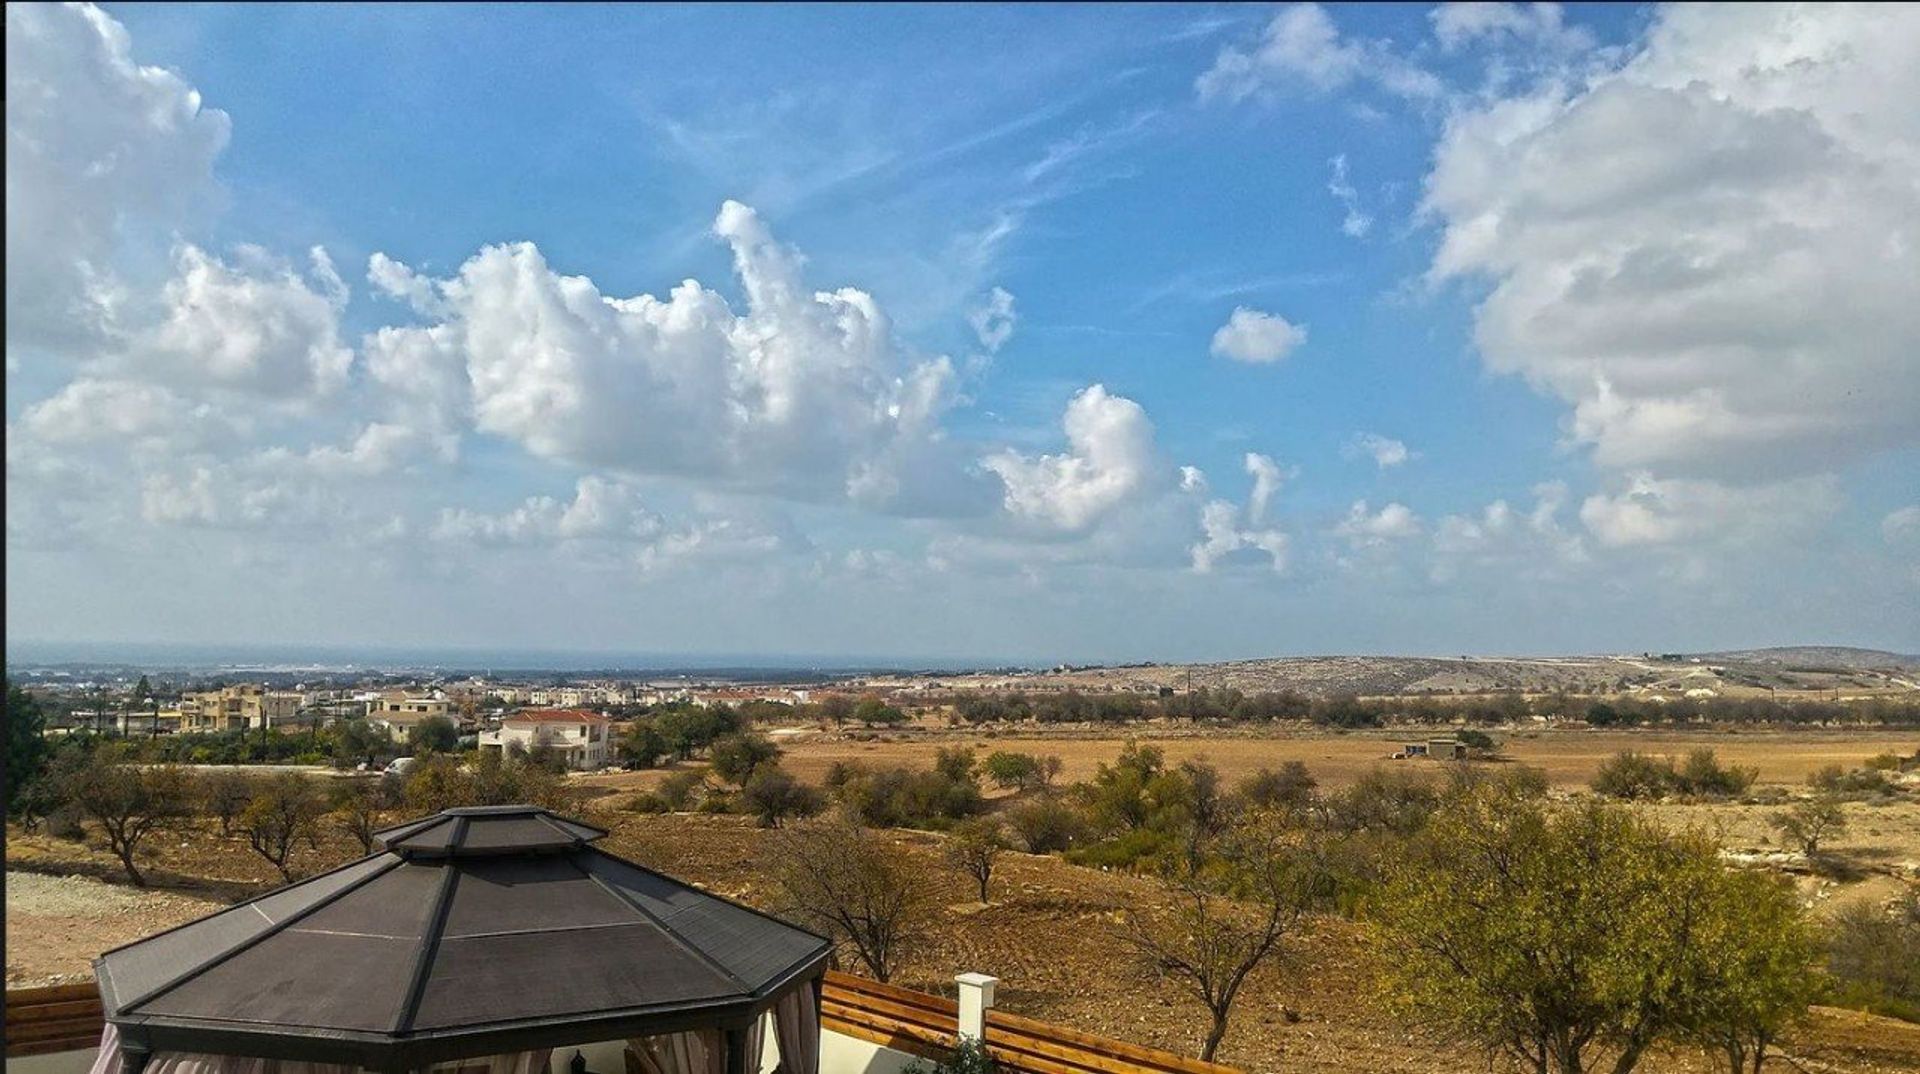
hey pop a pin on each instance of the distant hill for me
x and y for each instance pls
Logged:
(1819, 657)
(1823, 672)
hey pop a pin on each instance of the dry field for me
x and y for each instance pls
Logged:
(1048, 935)
(1569, 757)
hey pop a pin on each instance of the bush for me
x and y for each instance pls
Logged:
(1290, 788)
(1703, 777)
(647, 802)
(771, 796)
(899, 797)
(1875, 956)
(736, 757)
(969, 1056)
(1045, 825)
(680, 788)
(1635, 776)
(1833, 779)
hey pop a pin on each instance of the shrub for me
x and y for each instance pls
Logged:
(1290, 788)
(1810, 823)
(736, 757)
(680, 788)
(1045, 825)
(647, 802)
(1702, 776)
(1013, 771)
(771, 796)
(899, 797)
(1875, 955)
(1635, 776)
(1833, 779)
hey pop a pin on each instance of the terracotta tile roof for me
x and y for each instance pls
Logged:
(556, 716)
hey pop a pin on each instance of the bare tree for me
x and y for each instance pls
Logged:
(361, 806)
(974, 848)
(128, 801)
(224, 793)
(1226, 912)
(1810, 823)
(286, 809)
(853, 885)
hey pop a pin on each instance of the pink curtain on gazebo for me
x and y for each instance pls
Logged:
(796, 1028)
(108, 1062)
(696, 1051)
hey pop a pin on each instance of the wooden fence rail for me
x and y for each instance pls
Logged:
(924, 1024)
(62, 1018)
(66, 1018)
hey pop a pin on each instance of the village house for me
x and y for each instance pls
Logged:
(401, 712)
(237, 708)
(582, 738)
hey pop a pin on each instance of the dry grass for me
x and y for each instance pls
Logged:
(1569, 757)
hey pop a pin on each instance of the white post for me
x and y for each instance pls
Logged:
(976, 998)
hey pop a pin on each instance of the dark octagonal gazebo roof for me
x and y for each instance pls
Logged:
(473, 932)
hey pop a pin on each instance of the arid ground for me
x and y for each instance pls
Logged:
(1569, 757)
(1049, 931)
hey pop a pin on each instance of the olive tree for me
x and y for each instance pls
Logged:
(1809, 823)
(128, 801)
(284, 810)
(1225, 911)
(853, 885)
(973, 847)
(1574, 940)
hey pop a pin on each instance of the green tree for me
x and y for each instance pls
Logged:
(358, 741)
(772, 795)
(837, 707)
(1809, 823)
(973, 847)
(27, 746)
(1755, 977)
(435, 734)
(872, 710)
(736, 757)
(1013, 771)
(643, 745)
(1569, 941)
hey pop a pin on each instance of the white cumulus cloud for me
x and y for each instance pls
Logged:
(99, 147)
(805, 394)
(1710, 254)
(1385, 451)
(1257, 338)
(1111, 458)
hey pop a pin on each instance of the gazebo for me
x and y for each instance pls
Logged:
(476, 940)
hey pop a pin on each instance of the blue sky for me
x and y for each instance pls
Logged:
(1523, 311)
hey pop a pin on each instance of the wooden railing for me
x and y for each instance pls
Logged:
(66, 1018)
(62, 1018)
(923, 1024)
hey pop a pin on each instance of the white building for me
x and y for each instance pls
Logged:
(584, 739)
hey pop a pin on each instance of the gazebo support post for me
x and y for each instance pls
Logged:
(737, 1051)
(133, 1056)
